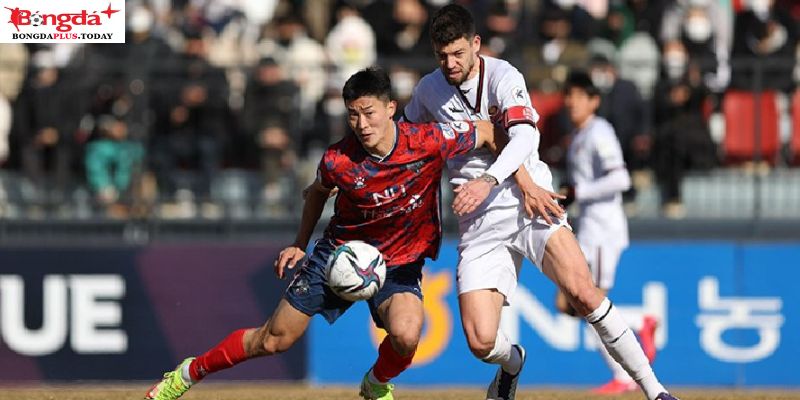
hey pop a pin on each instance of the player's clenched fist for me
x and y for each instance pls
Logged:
(288, 258)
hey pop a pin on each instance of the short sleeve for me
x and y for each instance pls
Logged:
(325, 171)
(511, 90)
(455, 138)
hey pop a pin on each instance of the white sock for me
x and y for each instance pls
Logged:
(621, 343)
(617, 371)
(187, 377)
(504, 354)
(372, 379)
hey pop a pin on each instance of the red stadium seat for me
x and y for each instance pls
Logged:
(548, 106)
(794, 145)
(739, 108)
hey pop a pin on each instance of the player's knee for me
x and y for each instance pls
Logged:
(405, 342)
(481, 344)
(585, 298)
(275, 344)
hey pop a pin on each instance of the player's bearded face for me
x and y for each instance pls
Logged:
(371, 121)
(457, 59)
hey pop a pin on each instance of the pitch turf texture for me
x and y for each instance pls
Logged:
(217, 391)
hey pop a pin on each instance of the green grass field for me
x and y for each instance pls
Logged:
(218, 391)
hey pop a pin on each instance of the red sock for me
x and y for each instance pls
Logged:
(390, 363)
(227, 353)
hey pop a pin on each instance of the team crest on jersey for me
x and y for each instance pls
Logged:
(359, 183)
(520, 97)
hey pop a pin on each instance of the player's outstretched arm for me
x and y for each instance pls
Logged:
(315, 197)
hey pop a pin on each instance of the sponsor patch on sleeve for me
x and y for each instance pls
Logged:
(519, 95)
(447, 131)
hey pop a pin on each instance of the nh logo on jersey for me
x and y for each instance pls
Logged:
(389, 194)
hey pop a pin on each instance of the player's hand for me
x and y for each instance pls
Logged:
(470, 195)
(539, 202)
(288, 258)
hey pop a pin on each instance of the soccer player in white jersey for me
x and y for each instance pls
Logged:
(596, 179)
(495, 231)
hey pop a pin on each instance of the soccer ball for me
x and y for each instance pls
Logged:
(36, 19)
(355, 271)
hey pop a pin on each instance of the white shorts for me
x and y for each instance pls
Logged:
(493, 245)
(602, 260)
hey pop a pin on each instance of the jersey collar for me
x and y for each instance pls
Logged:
(373, 157)
(478, 93)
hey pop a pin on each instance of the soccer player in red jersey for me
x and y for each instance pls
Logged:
(387, 175)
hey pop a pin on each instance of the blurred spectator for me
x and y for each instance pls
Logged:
(766, 34)
(682, 139)
(277, 160)
(706, 30)
(303, 60)
(556, 53)
(350, 44)
(112, 162)
(583, 25)
(13, 64)
(193, 118)
(145, 58)
(619, 25)
(647, 14)
(622, 105)
(502, 38)
(402, 34)
(269, 97)
(46, 123)
(638, 62)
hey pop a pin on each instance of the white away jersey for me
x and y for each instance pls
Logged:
(497, 87)
(595, 151)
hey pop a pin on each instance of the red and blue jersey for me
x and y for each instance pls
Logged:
(393, 203)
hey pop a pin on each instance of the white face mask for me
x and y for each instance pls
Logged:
(760, 7)
(602, 80)
(698, 29)
(566, 4)
(675, 64)
(403, 84)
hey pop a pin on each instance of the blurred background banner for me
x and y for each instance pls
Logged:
(727, 312)
(116, 313)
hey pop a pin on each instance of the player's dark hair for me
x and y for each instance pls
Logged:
(581, 80)
(450, 23)
(372, 81)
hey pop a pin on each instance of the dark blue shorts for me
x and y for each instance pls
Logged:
(309, 291)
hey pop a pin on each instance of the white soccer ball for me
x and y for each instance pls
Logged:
(355, 271)
(36, 19)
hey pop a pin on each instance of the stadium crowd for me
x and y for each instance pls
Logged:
(213, 103)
